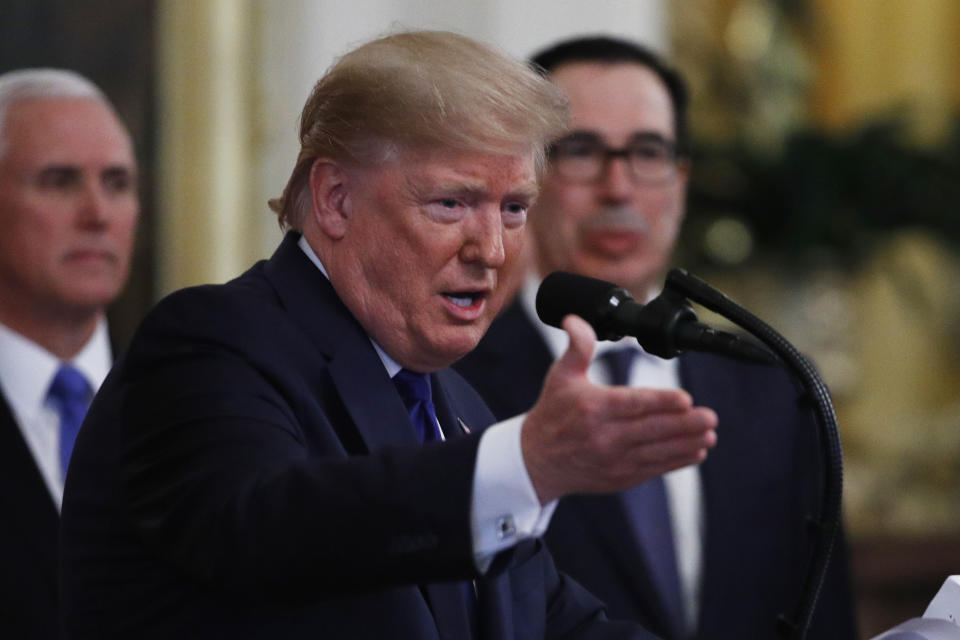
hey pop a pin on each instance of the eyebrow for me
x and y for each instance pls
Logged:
(529, 192)
(467, 190)
(58, 168)
(118, 171)
(112, 171)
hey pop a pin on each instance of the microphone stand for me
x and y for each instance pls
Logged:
(828, 519)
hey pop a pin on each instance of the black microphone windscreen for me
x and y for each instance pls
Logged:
(563, 293)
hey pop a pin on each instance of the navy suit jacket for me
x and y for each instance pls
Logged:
(28, 540)
(759, 484)
(248, 470)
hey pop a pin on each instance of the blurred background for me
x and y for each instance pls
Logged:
(823, 196)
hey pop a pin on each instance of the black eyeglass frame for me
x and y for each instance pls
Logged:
(603, 153)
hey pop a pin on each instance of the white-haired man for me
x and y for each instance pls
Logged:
(68, 211)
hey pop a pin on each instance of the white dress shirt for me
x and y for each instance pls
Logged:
(504, 505)
(26, 371)
(684, 493)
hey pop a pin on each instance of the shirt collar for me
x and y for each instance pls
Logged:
(27, 369)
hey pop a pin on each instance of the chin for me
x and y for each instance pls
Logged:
(449, 351)
(91, 298)
(623, 274)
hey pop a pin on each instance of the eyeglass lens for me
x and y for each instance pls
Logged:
(583, 156)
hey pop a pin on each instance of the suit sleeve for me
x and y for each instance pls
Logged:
(222, 482)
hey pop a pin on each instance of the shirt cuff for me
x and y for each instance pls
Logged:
(505, 508)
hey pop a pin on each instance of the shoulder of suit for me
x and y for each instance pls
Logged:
(250, 290)
(216, 311)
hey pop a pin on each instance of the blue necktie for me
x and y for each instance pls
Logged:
(647, 510)
(417, 396)
(70, 394)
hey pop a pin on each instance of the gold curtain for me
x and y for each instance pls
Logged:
(873, 56)
(207, 217)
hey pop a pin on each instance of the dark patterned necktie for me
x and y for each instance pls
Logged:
(647, 510)
(70, 395)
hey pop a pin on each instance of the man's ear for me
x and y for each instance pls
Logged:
(330, 206)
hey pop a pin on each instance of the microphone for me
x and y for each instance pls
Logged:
(665, 327)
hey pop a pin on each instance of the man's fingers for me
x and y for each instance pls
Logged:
(626, 403)
(666, 426)
(658, 458)
(668, 451)
(654, 470)
(583, 340)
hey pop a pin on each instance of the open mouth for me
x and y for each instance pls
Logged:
(466, 306)
(465, 299)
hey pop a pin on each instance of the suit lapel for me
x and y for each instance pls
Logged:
(27, 505)
(446, 600)
(495, 608)
(446, 603)
(354, 366)
(371, 400)
(453, 422)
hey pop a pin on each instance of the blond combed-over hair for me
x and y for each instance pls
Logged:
(417, 90)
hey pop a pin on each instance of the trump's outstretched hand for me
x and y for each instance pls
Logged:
(580, 437)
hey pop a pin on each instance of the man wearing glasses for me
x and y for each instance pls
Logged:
(716, 550)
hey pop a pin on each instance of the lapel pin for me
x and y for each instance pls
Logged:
(463, 426)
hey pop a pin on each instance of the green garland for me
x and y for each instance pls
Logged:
(828, 191)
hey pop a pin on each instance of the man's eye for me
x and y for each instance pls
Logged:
(58, 178)
(118, 182)
(514, 215)
(446, 209)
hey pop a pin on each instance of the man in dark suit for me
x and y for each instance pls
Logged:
(716, 550)
(287, 455)
(68, 209)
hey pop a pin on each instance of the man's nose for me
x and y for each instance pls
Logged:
(93, 206)
(484, 239)
(615, 183)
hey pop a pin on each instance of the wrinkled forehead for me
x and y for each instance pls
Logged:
(511, 166)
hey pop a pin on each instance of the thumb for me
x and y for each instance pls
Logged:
(583, 340)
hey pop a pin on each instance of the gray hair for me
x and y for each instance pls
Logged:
(32, 84)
